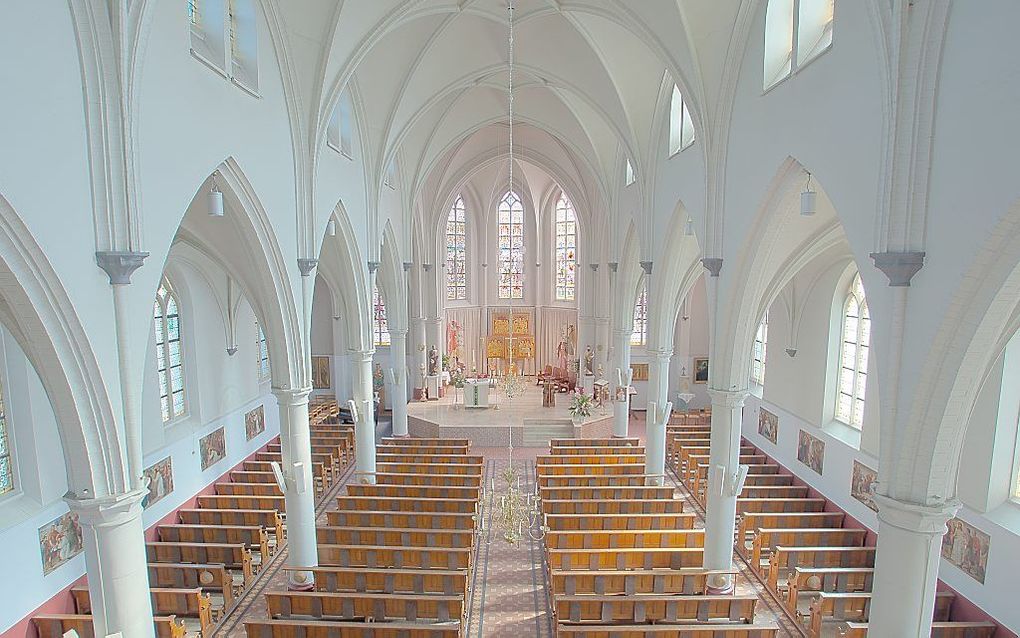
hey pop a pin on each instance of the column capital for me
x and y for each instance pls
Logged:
(646, 266)
(427, 267)
(398, 333)
(307, 265)
(594, 267)
(729, 399)
(407, 266)
(661, 353)
(914, 517)
(291, 396)
(613, 266)
(713, 265)
(362, 356)
(899, 267)
(120, 264)
(107, 511)
(372, 267)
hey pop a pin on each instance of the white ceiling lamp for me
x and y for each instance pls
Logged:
(215, 199)
(331, 227)
(808, 200)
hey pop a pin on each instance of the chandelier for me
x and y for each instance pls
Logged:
(515, 512)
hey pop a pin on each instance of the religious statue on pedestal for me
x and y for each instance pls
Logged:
(433, 361)
(589, 361)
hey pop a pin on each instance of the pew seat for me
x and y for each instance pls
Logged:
(165, 602)
(56, 625)
(389, 580)
(335, 629)
(370, 607)
(654, 608)
(686, 581)
(208, 578)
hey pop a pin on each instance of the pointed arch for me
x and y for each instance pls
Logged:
(343, 265)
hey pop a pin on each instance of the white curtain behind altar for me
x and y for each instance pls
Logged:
(552, 325)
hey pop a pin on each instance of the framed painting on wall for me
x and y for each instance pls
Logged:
(254, 423)
(966, 547)
(161, 481)
(60, 540)
(212, 448)
(700, 369)
(640, 371)
(811, 451)
(321, 377)
(768, 425)
(862, 484)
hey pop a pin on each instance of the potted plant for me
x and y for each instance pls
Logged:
(581, 406)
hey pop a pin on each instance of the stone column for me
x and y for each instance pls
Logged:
(907, 567)
(621, 360)
(658, 397)
(364, 424)
(434, 336)
(115, 562)
(418, 341)
(398, 387)
(723, 482)
(299, 487)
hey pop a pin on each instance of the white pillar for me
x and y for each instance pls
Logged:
(621, 356)
(658, 396)
(398, 389)
(434, 335)
(299, 492)
(907, 567)
(364, 424)
(115, 562)
(722, 491)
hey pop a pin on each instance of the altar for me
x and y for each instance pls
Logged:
(476, 393)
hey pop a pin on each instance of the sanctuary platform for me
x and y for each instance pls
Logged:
(533, 425)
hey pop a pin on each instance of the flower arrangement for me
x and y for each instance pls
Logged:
(581, 404)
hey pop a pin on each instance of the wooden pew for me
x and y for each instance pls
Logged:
(598, 449)
(56, 625)
(251, 536)
(856, 606)
(322, 464)
(608, 582)
(655, 506)
(784, 559)
(639, 492)
(626, 558)
(452, 480)
(381, 556)
(376, 608)
(613, 442)
(777, 505)
(165, 602)
(707, 630)
(587, 480)
(336, 629)
(414, 491)
(750, 521)
(766, 539)
(396, 504)
(389, 580)
(443, 450)
(395, 537)
(406, 441)
(234, 556)
(952, 629)
(249, 489)
(609, 458)
(826, 579)
(607, 539)
(697, 478)
(567, 522)
(591, 469)
(322, 476)
(429, 520)
(438, 469)
(774, 491)
(270, 519)
(654, 608)
(385, 456)
(210, 578)
(232, 502)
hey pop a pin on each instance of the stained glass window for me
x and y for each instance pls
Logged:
(566, 249)
(6, 459)
(169, 360)
(511, 247)
(263, 351)
(380, 327)
(853, 358)
(760, 345)
(193, 12)
(235, 53)
(640, 335)
(456, 253)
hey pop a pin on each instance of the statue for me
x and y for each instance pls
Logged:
(378, 380)
(433, 361)
(589, 361)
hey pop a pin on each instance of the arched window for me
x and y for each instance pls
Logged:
(796, 32)
(6, 457)
(340, 127)
(456, 252)
(169, 358)
(262, 348)
(628, 173)
(224, 35)
(566, 249)
(758, 356)
(853, 357)
(639, 336)
(193, 13)
(379, 326)
(681, 128)
(511, 247)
